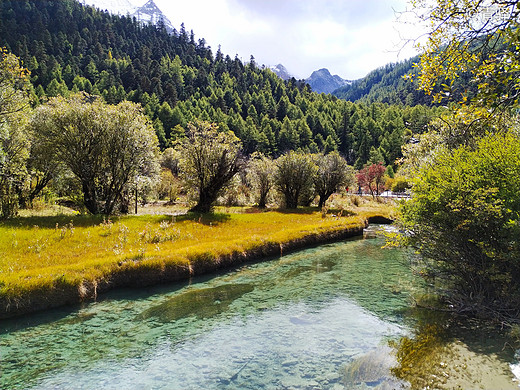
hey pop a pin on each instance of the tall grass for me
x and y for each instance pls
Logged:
(39, 254)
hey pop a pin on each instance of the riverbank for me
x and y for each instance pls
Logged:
(54, 261)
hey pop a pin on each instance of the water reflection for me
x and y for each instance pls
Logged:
(446, 352)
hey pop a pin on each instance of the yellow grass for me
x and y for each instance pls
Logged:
(39, 253)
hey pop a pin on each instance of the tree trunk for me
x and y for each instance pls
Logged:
(89, 197)
(263, 199)
(201, 208)
(206, 199)
(291, 201)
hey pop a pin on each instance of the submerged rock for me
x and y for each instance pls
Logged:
(373, 370)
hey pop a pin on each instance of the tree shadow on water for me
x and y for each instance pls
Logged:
(454, 351)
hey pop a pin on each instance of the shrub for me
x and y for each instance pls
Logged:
(464, 217)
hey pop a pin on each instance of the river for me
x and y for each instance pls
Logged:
(338, 316)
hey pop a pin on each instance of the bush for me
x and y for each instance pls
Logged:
(464, 217)
(356, 200)
(169, 186)
(400, 184)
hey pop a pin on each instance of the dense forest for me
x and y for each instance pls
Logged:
(392, 84)
(386, 85)
(68, 48)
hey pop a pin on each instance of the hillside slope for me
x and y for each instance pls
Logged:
(385, 85)
(177, 79)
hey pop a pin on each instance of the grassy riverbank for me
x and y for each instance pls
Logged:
(54, 260)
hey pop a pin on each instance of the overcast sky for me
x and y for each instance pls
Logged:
(349, 37)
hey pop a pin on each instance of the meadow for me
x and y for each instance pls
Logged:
(50, 260)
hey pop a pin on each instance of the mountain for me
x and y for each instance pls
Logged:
(387, 85)
(281, 72)
(148, 13)
(322, 81)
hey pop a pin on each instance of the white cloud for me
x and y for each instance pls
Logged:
(350, 38)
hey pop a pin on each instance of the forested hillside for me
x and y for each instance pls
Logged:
(386, 85)
(391, 84)
(177, 78)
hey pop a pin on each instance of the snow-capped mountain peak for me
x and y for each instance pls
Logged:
(148, 13)
(281, 71)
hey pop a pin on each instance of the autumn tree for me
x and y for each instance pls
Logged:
(210, 160)
(475, 39)
(333, 173)
(106, 147)
(463, 215)
(377, 173)
(371, 178)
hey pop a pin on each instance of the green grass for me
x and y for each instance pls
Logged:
(44, 253)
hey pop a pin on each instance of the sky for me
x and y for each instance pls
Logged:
(348, 37)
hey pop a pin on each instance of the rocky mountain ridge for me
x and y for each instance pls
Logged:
(322, 81)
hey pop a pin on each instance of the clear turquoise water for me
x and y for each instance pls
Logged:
(300, 321)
